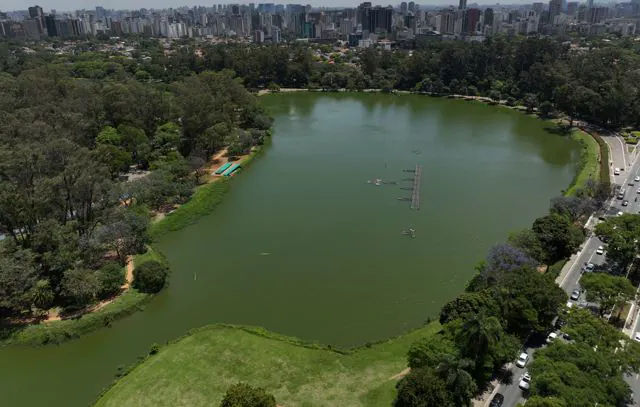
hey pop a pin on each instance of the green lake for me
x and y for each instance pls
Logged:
(304, 246)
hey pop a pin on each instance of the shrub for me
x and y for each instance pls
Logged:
(79, 287)
(155, 348)
(111, 277)
(150, 277)
(243, 395)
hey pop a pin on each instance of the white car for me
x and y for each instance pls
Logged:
(616, 171)
(525, 381)
(589, 267)
(600, 250)
(575, 295)
(637, 179)
(637, 336)
(522, 359)
(552, 337)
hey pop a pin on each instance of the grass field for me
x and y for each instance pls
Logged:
(197, 370)
(589, 161)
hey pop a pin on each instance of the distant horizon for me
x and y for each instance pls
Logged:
(72, 5)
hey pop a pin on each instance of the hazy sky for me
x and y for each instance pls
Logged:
(67, 5)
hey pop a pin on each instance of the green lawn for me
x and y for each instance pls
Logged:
(197, 370)
(590, 167)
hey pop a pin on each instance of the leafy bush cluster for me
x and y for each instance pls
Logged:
(508, 299)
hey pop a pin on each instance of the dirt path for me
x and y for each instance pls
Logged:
(128, 278)
(401, 374)
(54, 314)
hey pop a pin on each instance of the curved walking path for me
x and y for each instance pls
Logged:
(54, 315)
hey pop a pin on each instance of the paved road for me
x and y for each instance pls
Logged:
(570, 277)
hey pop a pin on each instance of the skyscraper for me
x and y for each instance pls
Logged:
(462, 5)
(36, 13)
(555, 6)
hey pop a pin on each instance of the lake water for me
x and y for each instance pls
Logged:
(304, 246)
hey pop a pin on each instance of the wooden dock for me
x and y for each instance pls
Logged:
(415, 194)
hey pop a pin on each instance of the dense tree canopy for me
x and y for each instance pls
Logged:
(73, 130)
(622, 236)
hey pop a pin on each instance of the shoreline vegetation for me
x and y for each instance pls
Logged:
(279, 356)
(204, 200)
(56, 331)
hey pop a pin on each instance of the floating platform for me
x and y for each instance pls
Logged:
(415, 196)
(223, 168)
(231, 170)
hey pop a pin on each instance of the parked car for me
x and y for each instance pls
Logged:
(525, 381)
(600, 250)
(616, 171)
(588, 267)
(552, 337)
(522, 359)
(575, 295)
(637, 179)
(637, 336)
(497, 400)
(625, 203)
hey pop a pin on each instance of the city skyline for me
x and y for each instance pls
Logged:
(72, 5)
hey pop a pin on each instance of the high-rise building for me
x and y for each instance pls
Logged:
(51, 24)
(471, 18)
(381, 19)
(36, 14)
(364, 16)
(572, 8)
(404, 8)
(488, 17)
(555, 6)
(462, 5)
(258, 36)
(537, 7)
(412, 6)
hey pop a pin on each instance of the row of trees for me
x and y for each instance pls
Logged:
(68, 138)
(599, 85)
(509, 299)
(586, 370)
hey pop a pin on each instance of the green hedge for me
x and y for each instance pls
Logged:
(588, 162)
(604, 159)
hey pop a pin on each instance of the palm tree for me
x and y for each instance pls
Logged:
(479, 334)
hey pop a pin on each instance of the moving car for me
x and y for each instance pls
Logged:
(600, 250)
(638, 191)
(522, 359)
(637, 179)
(625, 203)
(497, 400)
(525, 381)
(552, 337)
(575, 295)
(616, 171)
